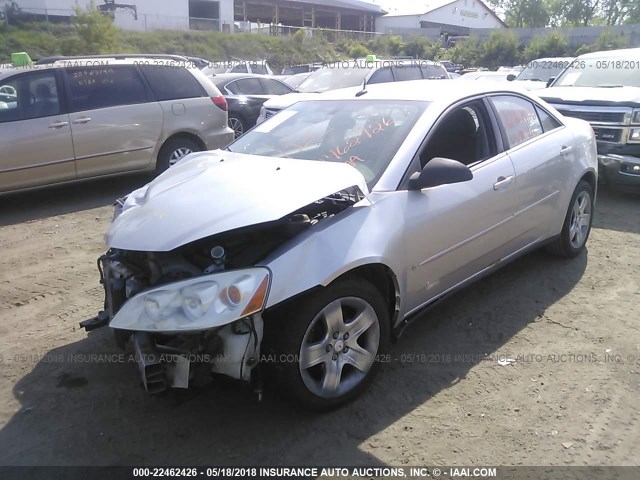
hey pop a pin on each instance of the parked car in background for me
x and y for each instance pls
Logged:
(245, 95)
(478, 175)
(540, 72)
(260, 67)
(306, 68)
(294, 81)
(199, 62)
(85, 117)
(604, 89)
(353, 73)
(450, 66)
(485, 75)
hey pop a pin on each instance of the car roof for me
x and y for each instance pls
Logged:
(379, 63)
(71, 62)
(424, 90)
(227, 77)
(552, 59)
(625, 52)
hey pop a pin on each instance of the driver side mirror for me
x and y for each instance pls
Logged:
(511, 77)
(440, 171)
(550, 81)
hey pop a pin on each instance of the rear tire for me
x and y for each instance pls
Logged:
(174, 150)
(577, 223)
(326, 345)
(237, 124)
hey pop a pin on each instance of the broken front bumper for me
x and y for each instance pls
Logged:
(177, 359)
(620, 169)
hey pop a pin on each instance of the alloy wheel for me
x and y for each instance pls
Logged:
(339, 347)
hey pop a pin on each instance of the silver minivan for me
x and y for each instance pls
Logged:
(78, 118)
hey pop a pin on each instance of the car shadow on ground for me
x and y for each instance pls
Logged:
(76, 410)
(69, 198)
(617, 209)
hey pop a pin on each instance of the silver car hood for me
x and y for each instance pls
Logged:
(586, 94)
(213, 192)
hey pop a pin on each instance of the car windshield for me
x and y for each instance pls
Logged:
(333, 77)
(543, 70)
(601, 72)
(364, 134)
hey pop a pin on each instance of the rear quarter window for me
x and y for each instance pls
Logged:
(172, 83)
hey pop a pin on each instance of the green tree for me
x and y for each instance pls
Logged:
(523, 13)
(617, 12)
(95, 30)
(553, 45)
(468, 53)
(500, 49)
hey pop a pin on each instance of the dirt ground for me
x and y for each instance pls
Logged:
(450, 396)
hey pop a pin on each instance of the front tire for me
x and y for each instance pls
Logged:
(577, 223)
(327, 343)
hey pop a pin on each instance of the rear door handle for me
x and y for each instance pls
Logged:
(82, 120)
(502, 182)
(565, 151)
(58, 124)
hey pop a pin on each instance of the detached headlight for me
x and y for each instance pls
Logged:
(195, 304)
(634, 135)
(635, 117)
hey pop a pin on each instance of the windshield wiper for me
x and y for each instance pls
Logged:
(609, 85)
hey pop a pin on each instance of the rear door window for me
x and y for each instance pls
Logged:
(172, 83)
(240, 68)
(92, 88)
(274, 87)
(33, 95)
(433, 72)
(518, 118)
(382, 75)
(259, 68)
(247, 86)
(403, 73)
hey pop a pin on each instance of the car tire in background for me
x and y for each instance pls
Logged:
(318, 340)
(237, 124)
(173, 150)
(577, 223)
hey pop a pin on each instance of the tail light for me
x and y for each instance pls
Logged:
(220, 102)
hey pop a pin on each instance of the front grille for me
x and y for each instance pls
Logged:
(610, 135)
(596, 117)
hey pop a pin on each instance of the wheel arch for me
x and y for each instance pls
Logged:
(384, 279)
(182, 134)
(591, 178)
(378, 274)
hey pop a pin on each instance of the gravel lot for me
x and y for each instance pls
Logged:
(569, 398)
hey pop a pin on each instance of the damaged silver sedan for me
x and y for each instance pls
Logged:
(311, 241)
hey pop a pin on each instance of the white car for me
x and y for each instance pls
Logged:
(350, 74)
(313, 239)
(540, 72)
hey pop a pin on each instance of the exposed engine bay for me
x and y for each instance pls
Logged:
(179, 358)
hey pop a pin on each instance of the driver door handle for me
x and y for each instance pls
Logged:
(502, 182)
(82, 120)
(564, 151)
(58, 124)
